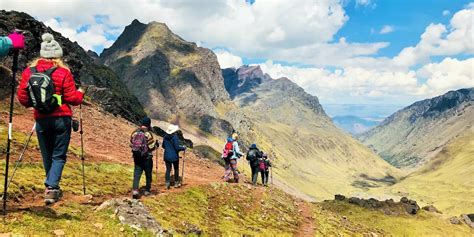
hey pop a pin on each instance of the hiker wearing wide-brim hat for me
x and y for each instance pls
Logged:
(143, 144)
(171, 154)
(52, 109)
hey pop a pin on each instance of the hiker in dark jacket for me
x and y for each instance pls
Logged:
(252, 156)
(53, 129)
(171, 156)
(143, 162)
(264, 166)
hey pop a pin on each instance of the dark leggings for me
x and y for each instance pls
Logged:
(264, 174)
(140, 166)
(168, 171)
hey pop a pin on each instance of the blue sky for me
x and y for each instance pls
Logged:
(409, 19)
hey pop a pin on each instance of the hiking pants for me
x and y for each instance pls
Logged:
(54, 134)
(168, 171)
(255, 171)
(231, 167)
(264, 174)
(140, 166)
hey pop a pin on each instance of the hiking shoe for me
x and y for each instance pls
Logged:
(147, 193)
(135, 194)
(52, 195)
(168, 185)
(177, 185)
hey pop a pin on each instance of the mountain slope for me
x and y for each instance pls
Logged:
(412, 136)
(105, 87)
(447, 180)
(311, 154)
(174, 79)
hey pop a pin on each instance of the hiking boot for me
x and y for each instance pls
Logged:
(168, 185)
(236, 181)
(147, 193)
(52, 195)
(135, 194)
(177, 184)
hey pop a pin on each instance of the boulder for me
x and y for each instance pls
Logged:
(412, 207)
(404, 200)
(468, 219)
(431, 208)
(339, 197)
(454, 220)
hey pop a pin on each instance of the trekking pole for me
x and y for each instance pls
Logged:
(82, 151)
(10, 127)
(156, 155)
(182, 170)
(21, 155)
(271, 175)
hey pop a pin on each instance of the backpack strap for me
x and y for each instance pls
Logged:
(33, 70)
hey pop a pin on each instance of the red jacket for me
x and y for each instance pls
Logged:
(63, 84)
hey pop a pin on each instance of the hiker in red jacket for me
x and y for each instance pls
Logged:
(53, 119)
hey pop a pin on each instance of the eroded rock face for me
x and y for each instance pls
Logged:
(174, 79)
(105, 87)
(133, 213)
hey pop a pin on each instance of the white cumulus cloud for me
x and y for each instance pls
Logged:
(226, 59)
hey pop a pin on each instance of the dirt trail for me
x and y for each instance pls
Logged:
(307, 228)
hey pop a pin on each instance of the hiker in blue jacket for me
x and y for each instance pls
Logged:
(171, 156)
(14, 40)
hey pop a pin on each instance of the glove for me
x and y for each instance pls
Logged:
(18, 40)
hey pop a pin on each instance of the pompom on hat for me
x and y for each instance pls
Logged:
(50, 48)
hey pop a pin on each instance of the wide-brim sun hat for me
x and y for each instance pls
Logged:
(172, 129)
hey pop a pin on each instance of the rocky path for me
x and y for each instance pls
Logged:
(308, 227)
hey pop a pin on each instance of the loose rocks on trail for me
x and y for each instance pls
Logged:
(133, 213)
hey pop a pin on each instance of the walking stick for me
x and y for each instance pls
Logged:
(10, 127)
(22, 154)
(156, 154)
(82, 151)
(271, 175)
(182, 170)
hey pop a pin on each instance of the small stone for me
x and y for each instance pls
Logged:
(122, 229)
(121, 218)
(99, 226)
(404, 200)
(59, 232)
(454, 220)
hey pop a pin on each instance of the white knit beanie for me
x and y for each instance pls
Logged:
(50, 48)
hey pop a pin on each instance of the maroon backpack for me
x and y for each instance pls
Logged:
(139, 144)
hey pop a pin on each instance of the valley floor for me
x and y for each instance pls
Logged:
(203, 205)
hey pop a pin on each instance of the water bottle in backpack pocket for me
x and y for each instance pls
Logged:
(139, 144)
(42, 92)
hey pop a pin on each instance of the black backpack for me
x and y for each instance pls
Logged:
(41, 90)
(252, 155)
